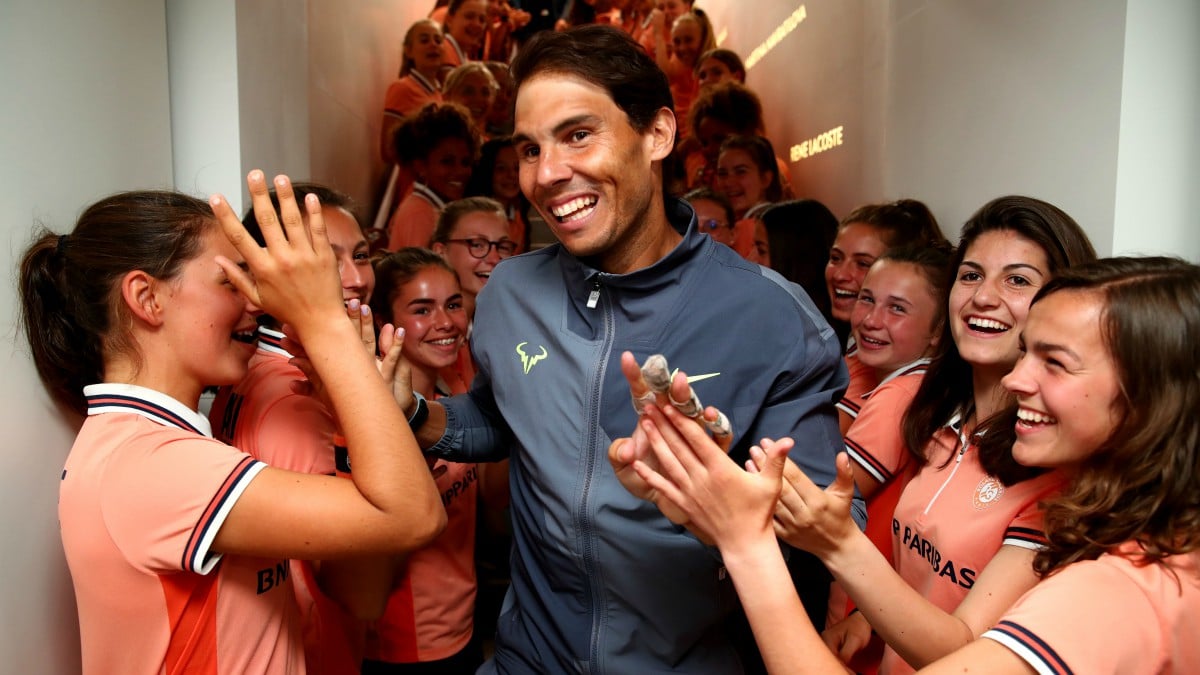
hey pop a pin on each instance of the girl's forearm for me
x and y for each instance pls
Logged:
(786, 638)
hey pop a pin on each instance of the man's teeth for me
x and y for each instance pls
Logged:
(1034, 417)
(573, 209)
(989, 325)
(872, 341)
(246, 336)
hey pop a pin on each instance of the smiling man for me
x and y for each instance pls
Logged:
(601, 581)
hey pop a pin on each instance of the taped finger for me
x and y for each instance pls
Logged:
(719, 427)
(640, 402)
(655, 373)
(688, 408)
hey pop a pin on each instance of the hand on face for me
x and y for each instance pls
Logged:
(295, 277)
(363, 322)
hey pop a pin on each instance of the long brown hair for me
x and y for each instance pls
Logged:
(1143, 483)
(946, 387)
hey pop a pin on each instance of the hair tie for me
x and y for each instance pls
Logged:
(61, 246)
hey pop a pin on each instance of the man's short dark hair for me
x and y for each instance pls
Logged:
(606, 57)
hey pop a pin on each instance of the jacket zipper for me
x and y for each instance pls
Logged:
(594, 296)
(585, 524)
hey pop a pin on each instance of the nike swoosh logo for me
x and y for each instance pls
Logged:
(695, 378)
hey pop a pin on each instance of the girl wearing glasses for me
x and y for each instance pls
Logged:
(714, 215)
(472, 235)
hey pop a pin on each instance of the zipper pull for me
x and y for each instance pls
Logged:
(594, 296)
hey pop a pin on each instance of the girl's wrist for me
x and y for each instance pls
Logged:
(847, 553)
(748, 549)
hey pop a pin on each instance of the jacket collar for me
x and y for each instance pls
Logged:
(580, 277)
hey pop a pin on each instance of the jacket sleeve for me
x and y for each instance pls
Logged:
(811, 378)
(475, 429)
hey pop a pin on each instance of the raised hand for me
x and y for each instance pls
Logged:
(360, 317)
(812, 519)
(695, 480)
(654, 385)
(295, 277)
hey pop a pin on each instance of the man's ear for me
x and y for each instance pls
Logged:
(140, 293)
(661, 134)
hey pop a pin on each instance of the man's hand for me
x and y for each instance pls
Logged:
(654, 386)
(697, 481)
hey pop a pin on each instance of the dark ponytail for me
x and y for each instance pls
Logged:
(70, 285)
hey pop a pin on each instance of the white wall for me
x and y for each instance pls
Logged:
(354, 55)
(1015, 97)
(273, 82)
(85, 113)
(1158, 173)
(1091, 105)
(205, 124)
(288, 87)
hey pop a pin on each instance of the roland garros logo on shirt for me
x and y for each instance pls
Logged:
(987, 493)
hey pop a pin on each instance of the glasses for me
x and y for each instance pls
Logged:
(711, 225)
(479, 247)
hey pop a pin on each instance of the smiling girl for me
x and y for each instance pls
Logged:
(691, 35)
(746, 173)
(748, 177)
(428, 626)
(465, 29)
(472, 86)
(1106, 392)
(177, 542)
(862, 237)
(419, 82)
(438, 145)
(897, 323)
(964, 530)
(497, 175)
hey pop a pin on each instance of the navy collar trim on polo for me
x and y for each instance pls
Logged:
(110, 397)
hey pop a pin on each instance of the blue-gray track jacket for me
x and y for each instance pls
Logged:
(601, 581)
